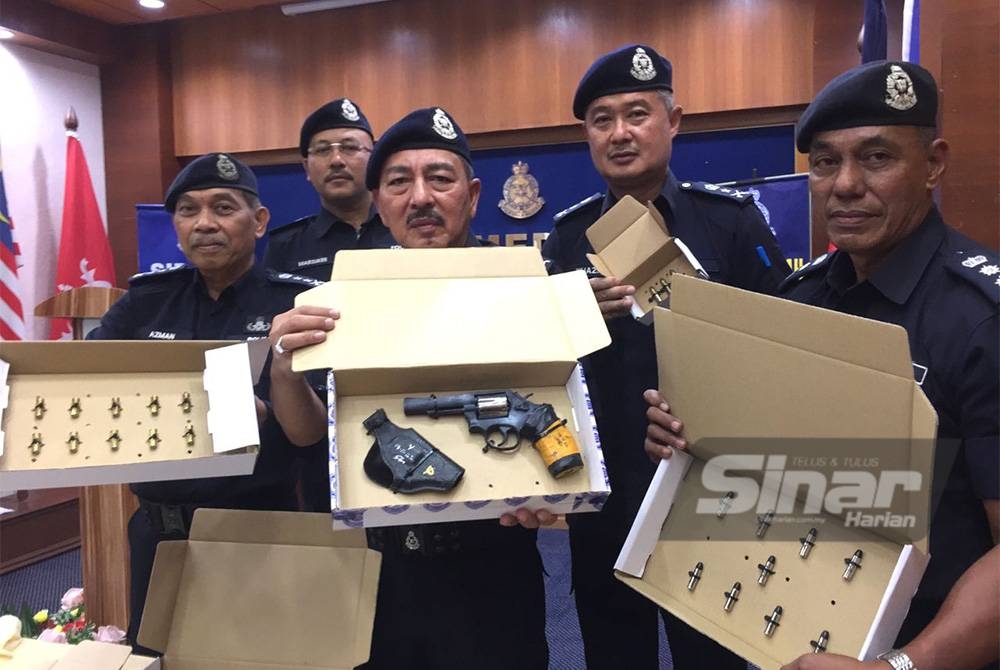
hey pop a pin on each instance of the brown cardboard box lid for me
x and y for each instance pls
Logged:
(88, 655)
(268, 590)
(737, 364)
(421, 308)
(625, 237)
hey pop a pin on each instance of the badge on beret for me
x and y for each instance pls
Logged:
(349, 111)
(642, 65)
(899, 92)
(226, 168)
(443, 125)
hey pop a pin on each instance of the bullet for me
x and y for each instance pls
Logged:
(853, 564)
(772, 621)
(764, 522)
(732, 597)
(39, 408)
(766, 570)
(808, 542)
(819, 646)
(724, 504)
(695, 575)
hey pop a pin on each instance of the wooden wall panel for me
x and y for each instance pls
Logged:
(244, 82)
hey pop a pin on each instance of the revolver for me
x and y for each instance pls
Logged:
(511, 415)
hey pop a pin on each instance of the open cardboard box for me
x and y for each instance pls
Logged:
(217, 376)
(32, 654)
(746, 367)
(417, 322)
(262, 590)
(632, 243)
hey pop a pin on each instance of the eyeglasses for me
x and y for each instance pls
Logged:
(346, 149)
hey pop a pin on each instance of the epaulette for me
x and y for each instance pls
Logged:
(817, 264)
(979, 267)
(166, 274)
(716, 190)
(289, 278)
(289, 227)
(572, 208)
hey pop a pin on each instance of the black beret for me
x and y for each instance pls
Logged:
(340, 113)
(882, 93)
(428, 128)
(210, 171)
(636, 67)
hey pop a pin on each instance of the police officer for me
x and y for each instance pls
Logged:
(874, 161)
(222, 295)
(462, 594)
(335, 143)
(626, 103)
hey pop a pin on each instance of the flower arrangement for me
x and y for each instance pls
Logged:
(68, 624)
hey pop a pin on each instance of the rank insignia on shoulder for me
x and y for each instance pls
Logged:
(289, 278)
(715, 189)
(980, 270)
(572, 208)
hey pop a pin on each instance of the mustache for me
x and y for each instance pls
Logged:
(425, 213)
(202, 240)
(339, 174)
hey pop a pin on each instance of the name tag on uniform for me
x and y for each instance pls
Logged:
(161, 335)
(314, 261)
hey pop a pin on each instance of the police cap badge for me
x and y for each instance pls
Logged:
(428, 128)
(636, 67)
(881, 93)
(210, 171)
(339, 113)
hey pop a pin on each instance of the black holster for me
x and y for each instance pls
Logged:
(404, 462)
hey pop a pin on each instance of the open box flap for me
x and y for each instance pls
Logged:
(263, 571)
(442, 313)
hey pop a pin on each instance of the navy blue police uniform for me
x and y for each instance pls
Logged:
(726, 232)
(454, 595)
(176, 305)
(307, 247)
(944, 289)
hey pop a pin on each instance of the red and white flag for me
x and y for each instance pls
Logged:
(84, 252)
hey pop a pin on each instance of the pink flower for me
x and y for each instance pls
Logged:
(110, 634)
(50, 635)
(72, 599)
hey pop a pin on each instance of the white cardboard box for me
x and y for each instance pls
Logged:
(416, 322)
(218, 376)
(737, 365)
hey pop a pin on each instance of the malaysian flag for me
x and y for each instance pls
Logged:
(11, 313)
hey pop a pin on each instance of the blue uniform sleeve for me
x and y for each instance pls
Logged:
(979, 407)
(117, 322)
(760, 264)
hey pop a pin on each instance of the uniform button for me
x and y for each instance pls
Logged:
(453, 533)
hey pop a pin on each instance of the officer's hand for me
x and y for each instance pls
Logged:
(297, 328)
(832, 662)
(528, 519)
(613, 297)
(663, 434)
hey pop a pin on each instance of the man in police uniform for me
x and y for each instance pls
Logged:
(625, 101)
(222, 295)
(335, 143)
(464, 594)
(874, 162)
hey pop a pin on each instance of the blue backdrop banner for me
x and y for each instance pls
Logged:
(564, 175)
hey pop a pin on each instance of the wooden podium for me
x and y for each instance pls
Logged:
(104, 510)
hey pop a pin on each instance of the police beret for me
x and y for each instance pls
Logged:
(636, 67)
(340, 113)
(428, 128)
(210, 171)
(883, 93)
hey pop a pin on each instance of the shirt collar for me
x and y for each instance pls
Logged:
(668, 194)
(242, 290)
(326, 220)
(897, 276)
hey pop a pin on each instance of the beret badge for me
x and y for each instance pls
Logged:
(443, 125)
(642, 65)
(349, 111)
(899, 93)
(226, 168)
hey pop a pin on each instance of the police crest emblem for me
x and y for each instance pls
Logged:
(642, 65)
(443, 125)
(349, 111)
(226, 168)
(520, 193)
(899, 92)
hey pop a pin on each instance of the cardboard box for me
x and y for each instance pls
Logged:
(632, 243)
(89, 655)
(740, 366)
(417, 322)
(218, 376)
(267, 590)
